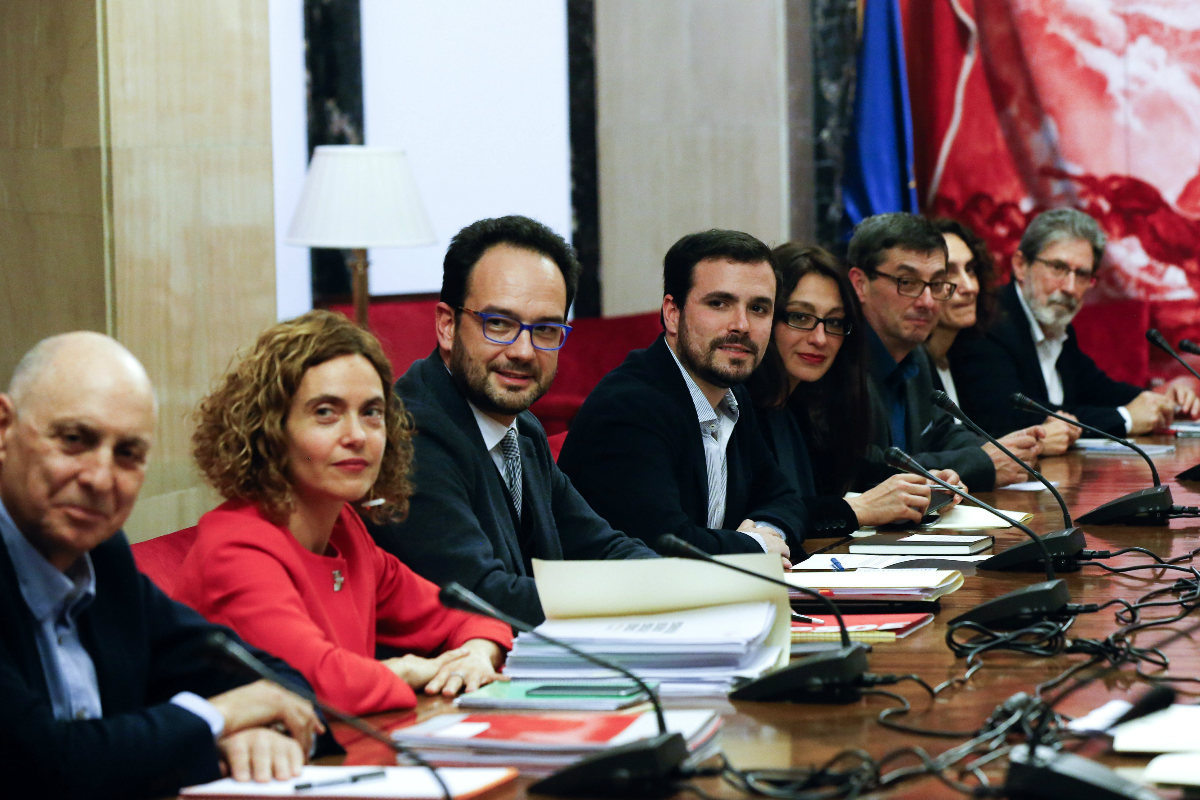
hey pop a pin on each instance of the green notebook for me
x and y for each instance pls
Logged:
(556, 695)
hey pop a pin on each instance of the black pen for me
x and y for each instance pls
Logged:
(362, 776)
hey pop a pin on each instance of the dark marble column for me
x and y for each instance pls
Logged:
(585, 199)
(333, 66)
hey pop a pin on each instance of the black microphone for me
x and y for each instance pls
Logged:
(943, 401)
(1187, 345)
(1065, 543)
(1045, 600)
(1039, 771)
(1158, 340)
(649, 766)
(237, 654)
(1144, 507)
(830, 676)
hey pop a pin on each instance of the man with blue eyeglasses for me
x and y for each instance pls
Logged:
(488, 496)
(1032, 348)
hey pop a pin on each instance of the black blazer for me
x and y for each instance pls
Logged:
(828, 515)
(988, 369)
(635, 454)
(460, 524)
(934, 439)
(146, 648)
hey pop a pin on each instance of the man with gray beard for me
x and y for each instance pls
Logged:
(1033, 349)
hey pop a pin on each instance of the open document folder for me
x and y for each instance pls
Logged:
(659, 617)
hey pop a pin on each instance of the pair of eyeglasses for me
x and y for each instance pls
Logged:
(500, 329)
(914, 287)
(802, 321)
(1062, 270)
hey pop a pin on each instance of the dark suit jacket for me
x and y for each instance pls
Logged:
(634, 452)
(146, 648)
(934, 439)
(988, 369)
(827, 515)
(460, 524)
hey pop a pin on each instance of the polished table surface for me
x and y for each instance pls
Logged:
(782, 734)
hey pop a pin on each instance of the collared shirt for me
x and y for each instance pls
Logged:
(716, 428)
(56, 599)
(1048, 350)
(493, 434)
(892, 378)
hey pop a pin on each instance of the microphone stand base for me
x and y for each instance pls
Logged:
(832, 676)
(1053, 775)
(1033, 603)
(645, 768)
(1144, 507)
(1063, 545)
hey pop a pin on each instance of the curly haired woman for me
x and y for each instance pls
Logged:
(301, 430)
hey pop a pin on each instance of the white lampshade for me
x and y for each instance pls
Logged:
(357, 196)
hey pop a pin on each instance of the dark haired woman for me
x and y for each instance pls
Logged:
(969, 311)
(812, 390)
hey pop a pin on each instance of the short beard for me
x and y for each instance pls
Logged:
(471, 377)
(703, 365)
(1053, 317)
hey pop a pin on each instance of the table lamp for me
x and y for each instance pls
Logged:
(356, 197)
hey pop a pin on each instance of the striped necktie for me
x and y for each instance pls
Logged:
(512, 467)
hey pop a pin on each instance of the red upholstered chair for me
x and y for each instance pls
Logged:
(556, 442)
(159, 558)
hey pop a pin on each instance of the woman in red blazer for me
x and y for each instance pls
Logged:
(300, 436)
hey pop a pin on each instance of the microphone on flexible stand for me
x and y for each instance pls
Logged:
(1157, 339)
(1048, 599)
(1188, 346)
(829, 676)
(1063, 544)
(647, 766)
(238, 655)
(1041, 772)
(1151, 506)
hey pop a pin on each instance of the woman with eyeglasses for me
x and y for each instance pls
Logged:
(302, 435)
(812, 392)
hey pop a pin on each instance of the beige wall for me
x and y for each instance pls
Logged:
(693, 107)
(135, 197)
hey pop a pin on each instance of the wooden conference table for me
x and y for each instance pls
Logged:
(782, 734)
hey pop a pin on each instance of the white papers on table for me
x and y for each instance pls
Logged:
(972, 518)
(824, 561)
(880, 584)
(668, 619)
(413, 783)
(1173, 769)
(1108, 446)
(1026, 486)
(1172, 730)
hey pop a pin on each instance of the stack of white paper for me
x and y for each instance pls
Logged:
(693, 627)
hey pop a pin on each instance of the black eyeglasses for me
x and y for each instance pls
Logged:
(1062, 270)
(802, 321)
(500, 329)
(914, 287)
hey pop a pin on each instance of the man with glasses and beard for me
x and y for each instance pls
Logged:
(666, 442)
(1033, 349)
(488, 497)
(898, 270)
